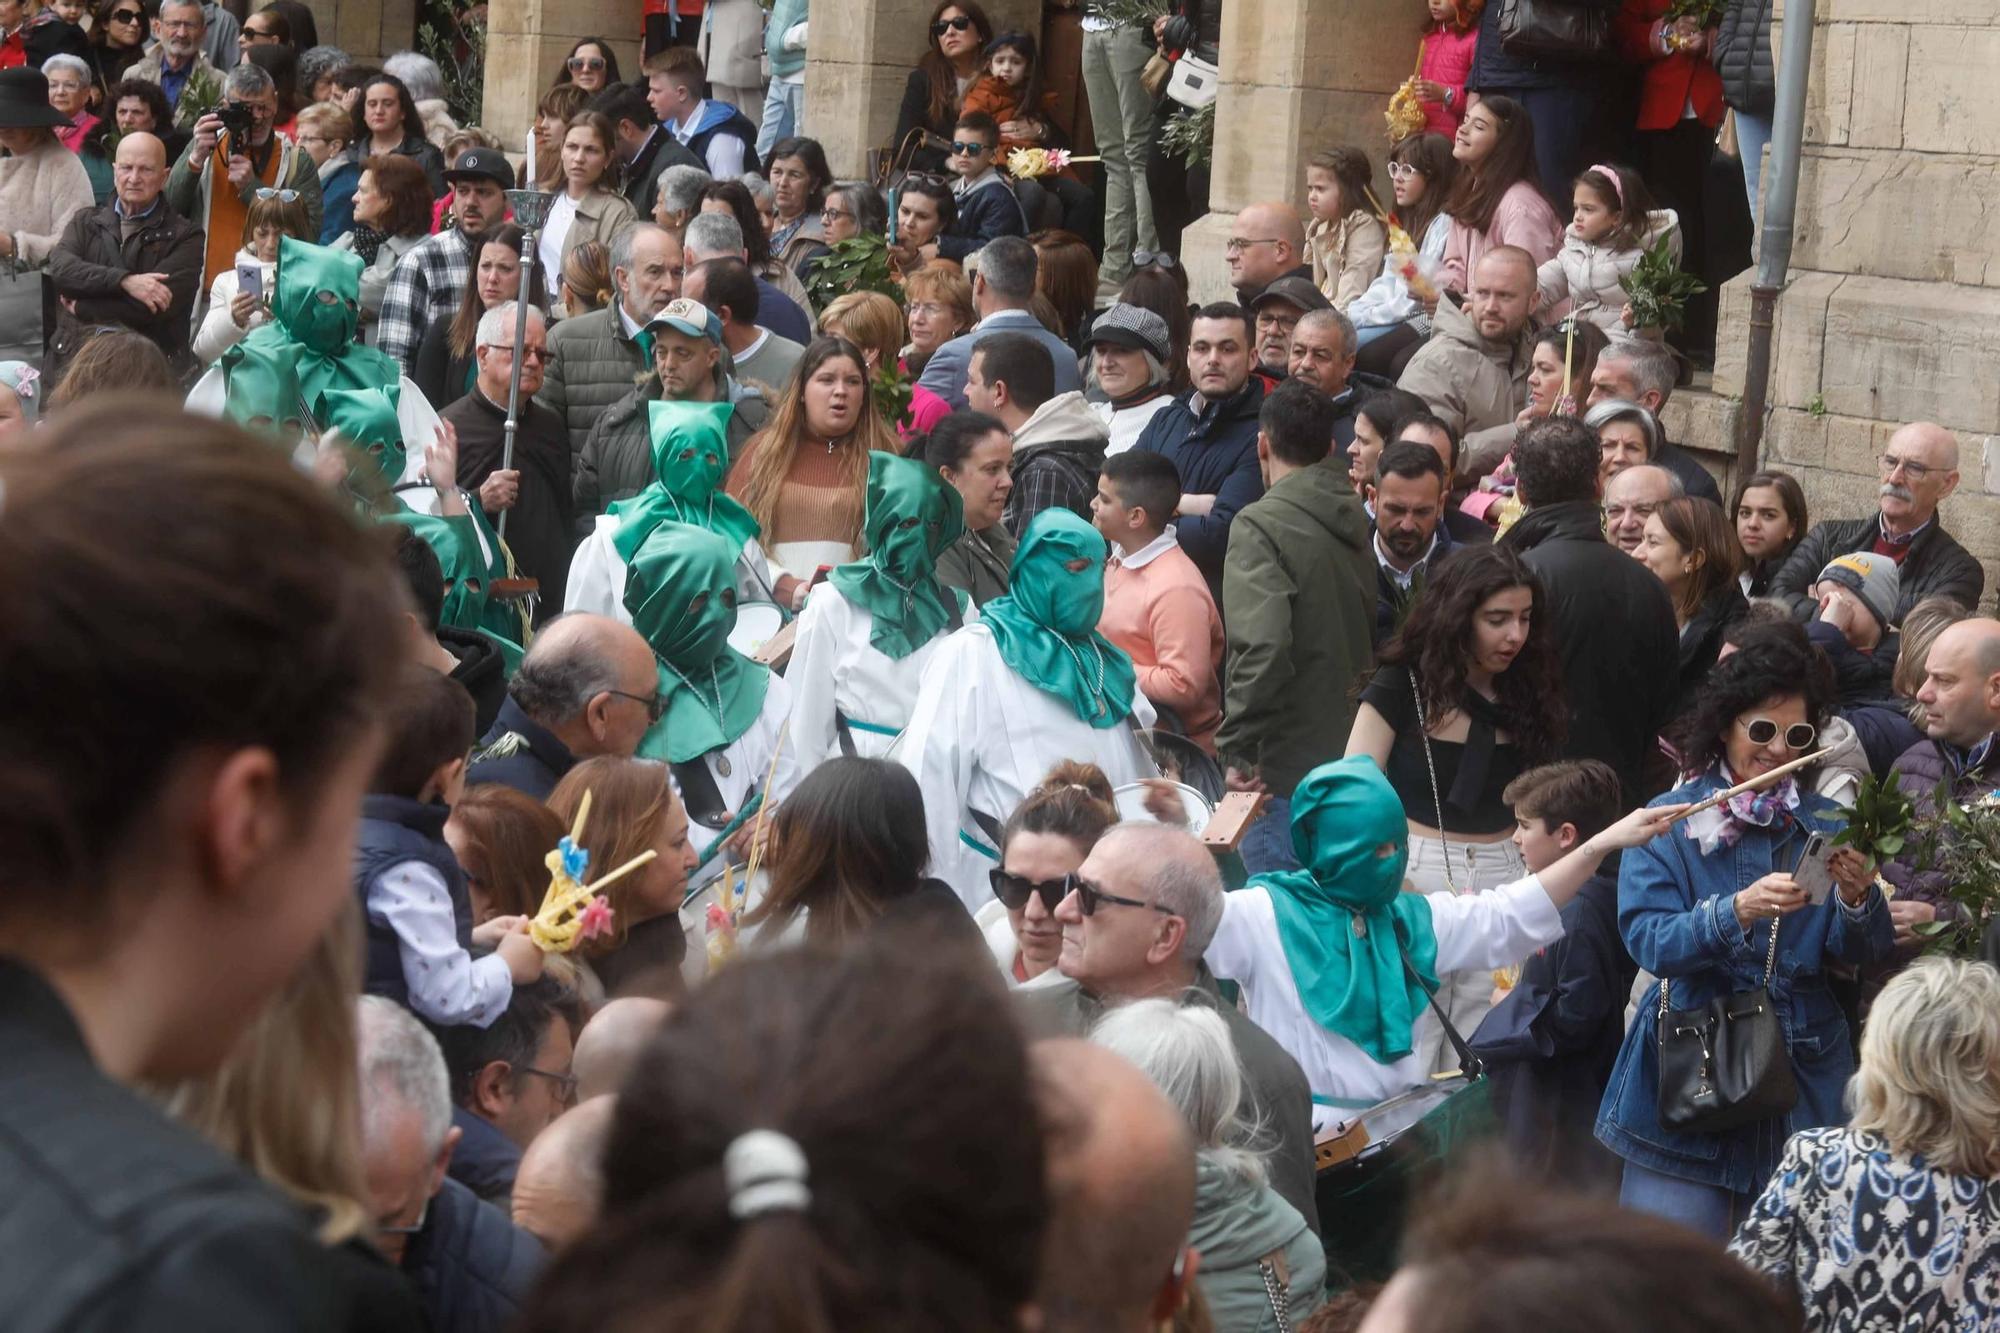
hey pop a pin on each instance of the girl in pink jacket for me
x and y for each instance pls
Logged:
(1449, 42)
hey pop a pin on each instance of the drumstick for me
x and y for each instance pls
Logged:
(1757, 783)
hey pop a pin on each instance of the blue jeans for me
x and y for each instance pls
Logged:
(1267, 847)
(784, 109)
(1709, 1209)
(1753, 133)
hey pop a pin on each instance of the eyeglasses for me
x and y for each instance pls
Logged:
(533, 354)
(126, 16)
(1152, 259)
(580, 63)
(282, 196)
(1402, 171)
(943, 26)
(829, 216)
(253, 34)
(967, 149)
(1090, 898)
(410, 1230)
(655, 703)
(1238, 244)
(179, 25)
(1013, 891)
(1914, 471)
(1762, 731)
(565, 1083)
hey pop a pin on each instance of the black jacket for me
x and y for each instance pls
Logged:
(913, 115)
(1701, 641)
(90, 262)
(485, 1160)
(1694, 478)
(1615, 629)
(538, 527)
(117, 1219)
(1216, 453)
(642, 174)
(481, 669)
(1743, 57)
(521, 753)
(1936, 565)
(473, 1268)
(1496, 70)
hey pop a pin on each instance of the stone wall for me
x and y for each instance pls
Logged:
(526, 43)
(368, 30)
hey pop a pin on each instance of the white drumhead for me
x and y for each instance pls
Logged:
(755, 623)
(1131, 801)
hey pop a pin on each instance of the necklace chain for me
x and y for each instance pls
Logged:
(1097, 699)
(714, 680)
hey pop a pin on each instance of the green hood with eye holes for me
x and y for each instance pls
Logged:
(315, 308)
(912, 518)
(681, 591)
(469, 577)
(690, 457)
(366, 418)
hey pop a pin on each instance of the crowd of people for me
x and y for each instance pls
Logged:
(558, 777)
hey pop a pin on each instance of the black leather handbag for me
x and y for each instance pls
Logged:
(1555, 29)
(1724, 1065)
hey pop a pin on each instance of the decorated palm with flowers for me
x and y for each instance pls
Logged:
(572, 911)
(1026, 164)
(1412, 265)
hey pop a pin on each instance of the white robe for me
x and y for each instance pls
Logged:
(1495, 928)
(419, 420)
(981, 736)
(748, 758)
(835, 667)
(597, 574)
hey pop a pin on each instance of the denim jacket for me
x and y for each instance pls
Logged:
(1676, 917)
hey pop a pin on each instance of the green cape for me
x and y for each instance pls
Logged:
(690, 458)
(1345, 922)
(681, 591)
(1046, 625)
(309, 345)
(912, 517)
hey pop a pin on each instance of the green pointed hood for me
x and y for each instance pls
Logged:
(681, 592)
(690, 458)
(912, 517)
(367, 419)
(316, 309)
(1046, 625)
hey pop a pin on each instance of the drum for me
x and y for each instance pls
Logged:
(755, 622)
(1131, 802)
(1185, 762)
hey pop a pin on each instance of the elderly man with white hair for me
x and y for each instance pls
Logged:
(1919, 468)
(535, 491)
(471, 1266)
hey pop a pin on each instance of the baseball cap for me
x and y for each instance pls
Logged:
(1871, 577)
(1133, 326)
(1295, 291)
(483, 164)
(690, 317)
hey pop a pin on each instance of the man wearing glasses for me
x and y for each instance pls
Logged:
(509, 1081)
(221, 170)
(1269, 243)
(588, 686)
(1918, 469)
(1136, 917)
(535, 492)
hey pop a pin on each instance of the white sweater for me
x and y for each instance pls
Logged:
(219, 330)
(40, 191)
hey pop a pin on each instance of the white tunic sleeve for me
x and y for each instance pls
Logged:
(597, 574)
(1496, 928)
(940, 744)
(813, 674)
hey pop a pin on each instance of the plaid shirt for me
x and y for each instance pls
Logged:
(427, 282)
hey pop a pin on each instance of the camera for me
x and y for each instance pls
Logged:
(237, 121)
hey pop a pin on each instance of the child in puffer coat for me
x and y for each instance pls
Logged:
(1614, 225)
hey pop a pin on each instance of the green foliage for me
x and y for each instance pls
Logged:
(1879, 825)
(199, 96)
(1191, 137)
(891, 391)
(1707, 13)
(1960, 844)
(1128, 13)
(1659, 290)
(857, 264)
(456, 39)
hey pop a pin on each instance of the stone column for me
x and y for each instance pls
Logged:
(1297, 76)
(368, 32)
(526, 42)
(861, 53)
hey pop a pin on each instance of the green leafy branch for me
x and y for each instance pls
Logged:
(1191, 137)
(1706, 13)
(1659, 289)
(458, 44)
(1128, 13)
(1960, 845)
(1879, 825)
(857, 264)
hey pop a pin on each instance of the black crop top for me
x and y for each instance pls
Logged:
(1471, 773)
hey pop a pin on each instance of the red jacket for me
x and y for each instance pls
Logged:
(1672, 81)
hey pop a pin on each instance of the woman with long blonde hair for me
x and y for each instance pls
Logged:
(804, 476)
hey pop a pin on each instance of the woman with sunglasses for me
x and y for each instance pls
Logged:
(120, 37)
(959, 31)
(386, 121)
(1714, 905)
(1028, 684)
(1045, 841)
(591, 66)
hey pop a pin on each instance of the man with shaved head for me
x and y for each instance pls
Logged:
(587, 687)
(1115, 1258)
(1268, 243)
(1156, 899)
(1961, 702)
(560, 1184)
(1474, 370)
(1918, 469)
(134, 262)
(611, 1041)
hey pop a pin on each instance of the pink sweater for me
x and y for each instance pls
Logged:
(1523, 218)
(1447, 60)
(1163, 616)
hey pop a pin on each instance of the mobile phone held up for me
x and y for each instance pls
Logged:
(1813, 875)
(250, 280)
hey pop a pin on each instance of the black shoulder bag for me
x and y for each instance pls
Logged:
(1554, 29)
(1724, 1065)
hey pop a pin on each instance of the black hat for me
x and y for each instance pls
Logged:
(483, 164)
(1293, 290)
(1133, 326)
(24, 101)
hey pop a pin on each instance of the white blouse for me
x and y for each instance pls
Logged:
(1495, 928)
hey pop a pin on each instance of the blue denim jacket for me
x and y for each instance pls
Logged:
(1676, 917)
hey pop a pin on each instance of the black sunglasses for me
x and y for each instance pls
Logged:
(1013, 891)
(1090, 898)
(126, 16)
(967, 149)
(943, 26)
(655, 703)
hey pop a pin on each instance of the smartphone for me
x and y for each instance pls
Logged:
(1812, 874)
(250, 280)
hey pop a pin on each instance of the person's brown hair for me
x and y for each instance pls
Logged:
(113, 360)
(1431, 155)
(587, 275)
(560, 103)
(464, 333)
(1790, 494)
(1583, 792)
(846, 844)
(1697, 526)
(1921, 626)
(1066, 273)
(941, 106)
(629, 800)
(133, 638)
(1493, 1252)
(408, 191)
(760, 478)
(430, 719)
(1476, 193)
(1354, 173)
(504, 836)
(1073, 801)
(946, 286)
(869, 320)
(902, 1079)
(289, 218)
(599, 124)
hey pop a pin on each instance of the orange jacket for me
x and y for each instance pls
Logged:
(997, 100)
